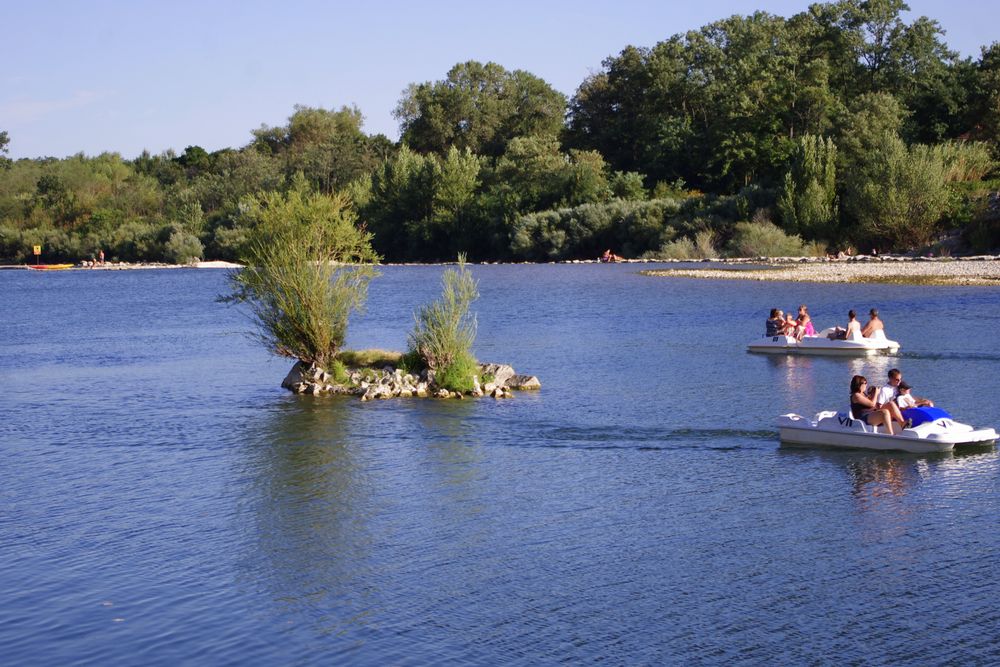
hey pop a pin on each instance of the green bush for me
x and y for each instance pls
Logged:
(57, 245)
(306, 269)
(339, 372)
(182, 247)
(701, 247)
(983, 235)
(682, 248)
(458, 374)
(899, 194)
(629, 228)
(11, 246)
(370, 358)
(964, 161)
(764, 239)
(445, 330)
(627, 185)
(412, 362)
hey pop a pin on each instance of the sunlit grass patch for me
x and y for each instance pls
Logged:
(373, 358)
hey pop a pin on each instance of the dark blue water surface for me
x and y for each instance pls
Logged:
(163, 501)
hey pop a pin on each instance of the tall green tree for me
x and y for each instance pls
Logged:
(454, 214)
(480, 107)
(861, 130)
(719, 106)
(4, 143)
(808, 199)
(327, 146)
(897, 195)
(307, 268)
(983, 114)
(401, 200)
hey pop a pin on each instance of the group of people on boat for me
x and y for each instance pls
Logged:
(854, 328)
(608, 256)
(781, 324)
(797, 326)
(885, 406)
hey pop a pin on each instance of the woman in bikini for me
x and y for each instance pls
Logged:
(866, 409)
(805, 325)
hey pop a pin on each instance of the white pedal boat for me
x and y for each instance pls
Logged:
(822, 344)
(840, 429)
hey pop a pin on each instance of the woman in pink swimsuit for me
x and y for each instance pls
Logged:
(805, 327)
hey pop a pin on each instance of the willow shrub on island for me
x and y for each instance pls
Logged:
(445, 330)
(307, 267)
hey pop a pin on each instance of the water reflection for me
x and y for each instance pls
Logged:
(795, 369)
(338, 511)
(875, 368)
(310, 540)
(795, 379)
(876, 477)
(449, 437)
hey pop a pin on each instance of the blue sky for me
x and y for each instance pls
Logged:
(125, 76)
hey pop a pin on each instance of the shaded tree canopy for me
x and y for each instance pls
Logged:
(479, 107)
(849, 123)
(328, 147)
(721, 106)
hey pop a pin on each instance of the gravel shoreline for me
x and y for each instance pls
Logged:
(920, 271)
(977, 270)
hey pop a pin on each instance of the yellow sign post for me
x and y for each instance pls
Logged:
(38, 253)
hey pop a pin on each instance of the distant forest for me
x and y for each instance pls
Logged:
(843, 127)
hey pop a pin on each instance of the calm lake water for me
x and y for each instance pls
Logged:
(163, 501)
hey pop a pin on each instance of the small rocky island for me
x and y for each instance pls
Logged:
(390, 381)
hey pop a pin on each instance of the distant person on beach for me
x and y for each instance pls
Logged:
(874, 324)
(775, 323)
(100, 257)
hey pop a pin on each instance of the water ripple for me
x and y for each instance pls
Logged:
(165, 502)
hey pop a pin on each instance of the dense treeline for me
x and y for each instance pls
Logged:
(844, 125)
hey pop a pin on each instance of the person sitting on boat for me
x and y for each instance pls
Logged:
(896, 383)
(917, 410)
(853, 329)
(805, 325)
(864, 408)
(891, 389)
(791, 326)
(887, 395)
(905, 399)
(775, 323)
(874, 324)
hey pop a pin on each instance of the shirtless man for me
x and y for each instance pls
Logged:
(874, 324)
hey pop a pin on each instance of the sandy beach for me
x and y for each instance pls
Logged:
(921, 271)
